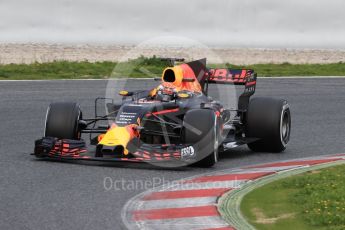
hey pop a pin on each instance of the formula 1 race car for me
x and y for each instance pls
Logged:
(177, 121)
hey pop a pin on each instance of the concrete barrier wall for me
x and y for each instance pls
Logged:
(234, 23)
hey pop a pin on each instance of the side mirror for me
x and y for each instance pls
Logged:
(125, 93)
(183, 95)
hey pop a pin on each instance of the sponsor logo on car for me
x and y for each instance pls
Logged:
(187, 152)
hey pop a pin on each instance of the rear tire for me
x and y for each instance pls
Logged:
(62, 120)
(204, 137)
(270, 120)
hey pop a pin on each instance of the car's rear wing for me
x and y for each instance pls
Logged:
(206, 76)
(230, 76)
(246, 77)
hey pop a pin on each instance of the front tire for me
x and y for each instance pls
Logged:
(270, 120)
(62, 120)
(201, 127)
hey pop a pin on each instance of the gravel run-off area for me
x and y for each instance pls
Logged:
(30, 53)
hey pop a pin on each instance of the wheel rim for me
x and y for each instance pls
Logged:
(45, 123)
(78, 134)
(285, 127)
(215, 147)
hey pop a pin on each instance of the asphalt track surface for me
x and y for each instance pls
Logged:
(37, 194)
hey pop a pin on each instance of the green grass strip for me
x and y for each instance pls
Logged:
(230, 203)
(144, 67)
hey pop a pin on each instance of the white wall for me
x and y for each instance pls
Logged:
(244, 23)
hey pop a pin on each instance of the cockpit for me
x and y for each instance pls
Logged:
(177, 80)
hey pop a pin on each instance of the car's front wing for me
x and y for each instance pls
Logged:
(66, 149)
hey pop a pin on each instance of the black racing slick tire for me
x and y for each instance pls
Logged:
(270, 120)
(201, 128)
(62, 120)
